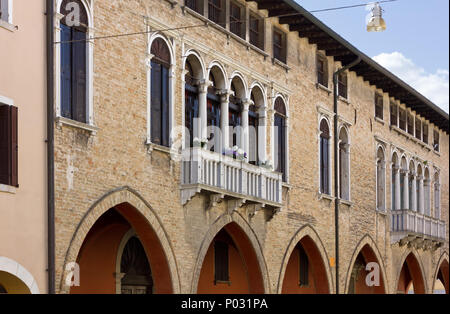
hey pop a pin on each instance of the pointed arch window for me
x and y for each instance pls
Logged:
(234, 118)
(325, 183)
(253, 122)
(437, 196)
(74, 64)
(160, 106)
(280, 136)
(381, 180)
(344, 165)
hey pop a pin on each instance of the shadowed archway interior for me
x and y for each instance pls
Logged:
(143, 265)
(411, 274)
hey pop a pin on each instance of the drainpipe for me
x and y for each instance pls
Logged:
(50, 151)
(336, 152)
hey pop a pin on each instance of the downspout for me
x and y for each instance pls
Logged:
(336, 165)
(50, 151)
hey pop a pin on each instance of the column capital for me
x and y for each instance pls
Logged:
(225, 94)
(247, 103)
(203, 86)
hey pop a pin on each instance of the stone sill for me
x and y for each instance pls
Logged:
(155, 147)
(8, 189)
(382, 212)
(344, 100)
(326, 197)
(346, 202)
(76, 124)
(379, 120)
(229, 34)
(281, 64)
(9, 27)
(324, 88)
(413, 138)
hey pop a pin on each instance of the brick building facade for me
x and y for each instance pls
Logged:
(278, 229)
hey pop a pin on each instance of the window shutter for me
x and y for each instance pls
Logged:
(66, 72)
(165, 106)
(79, 79)
(14, 147)
(156, 104)
(221, 261)
(5, 145)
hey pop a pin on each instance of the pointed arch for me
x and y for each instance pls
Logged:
(442, 272)
(368, 249)
(411, 264)
(320, 255)
(143, 219)
(250, 248)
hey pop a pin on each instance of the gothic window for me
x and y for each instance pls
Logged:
(74, 65)
(324, 157)
(381, 180)
(280, 134)
(344, 165)
(213, 112)
(191, 103)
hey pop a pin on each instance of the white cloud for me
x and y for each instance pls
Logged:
(434, 86)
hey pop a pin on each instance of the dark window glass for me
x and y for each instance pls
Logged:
(402, 119)
(215, 11)
(196, 5)
(324, 158)
(304, 266)
(418, 129)
(436, 140)
(379, 106)
(236, 24)
(213, 112)
(256, 31)
(8, 145)
(253, 122)
(4, 14)
(221, 272)
(425, 133)
(191, 104)
(160, 93)
(410, 124)
(73, 73)
(279, 46)
(394, 114)
(322, 70)
(280, 129)
(234, 118)
(342, 85)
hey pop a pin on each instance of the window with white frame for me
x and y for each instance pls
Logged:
(381, 179)
(324, 157)
(74, 55)
(344, 165)
(6, 11)
(437, 196)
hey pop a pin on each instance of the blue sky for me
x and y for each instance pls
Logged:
(415, 45)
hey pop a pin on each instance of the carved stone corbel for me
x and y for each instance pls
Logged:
(214, 199)
(234, 205)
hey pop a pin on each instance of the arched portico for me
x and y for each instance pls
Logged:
(104, 226)
(411, 276)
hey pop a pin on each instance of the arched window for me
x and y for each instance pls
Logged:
(160, 106)
(325, 184)
(437, 196)
(74, 64)
(404, 192)
(137, 276)
(395, 183)
(213, 113)
(191, 103)
(344, 165)
(381, 180)
(280, 136)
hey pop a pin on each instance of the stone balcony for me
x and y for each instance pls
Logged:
(224, 178)
(416, 229)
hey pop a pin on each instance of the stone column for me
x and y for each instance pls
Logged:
(405, 204)
(202, 102)
(421, 195)
(224, 116)
(427, 197)
(397, 188)
(413, 194)
(262, 134)
(245, 134)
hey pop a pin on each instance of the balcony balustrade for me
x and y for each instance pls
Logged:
(229, 178)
